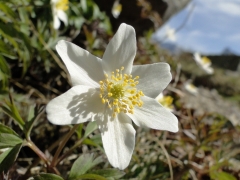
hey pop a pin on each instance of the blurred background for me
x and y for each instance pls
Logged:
(200, 39)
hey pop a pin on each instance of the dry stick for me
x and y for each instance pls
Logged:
(66, 138)
(50, 88)
(69, 151)
(175, 90)
(166, 153)
(168, 159)
(27, 173)
(28, 89)
(55, 144)
(31, 145)
(177, 75)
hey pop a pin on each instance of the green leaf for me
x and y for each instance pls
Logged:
(84, 5)
(9, 140)
(39, 3)
(89, 142)
(222, 176)
(11, 114)
(83, 164)
(4, 74)
(6, 51)
(45, 176)
(23, 15)
(19, 40)
(97, 139)
(4, 66)
(33, 115)
(3, 83)
(90, 176)
(8, 11)
(79, 131)
(12, 111)
(218, 165)
(92, 126)
(89, 36)
(109, 173)
(8, 31)
(8, 157)
(24, 26)
(52, 41)
(78, 22)
(7, 130)
(96, 12)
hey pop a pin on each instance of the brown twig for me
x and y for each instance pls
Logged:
(66, 138)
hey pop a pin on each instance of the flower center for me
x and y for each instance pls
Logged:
(166, 101)
(206, 60)
(191, 86)
(119, 92)
(62, 5)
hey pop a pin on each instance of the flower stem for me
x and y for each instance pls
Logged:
(70, 150)
(60, 147)
(31, 145)
(36, 161)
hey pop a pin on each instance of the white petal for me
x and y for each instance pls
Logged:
(118, 137)
(77, 105)
(197, 57)
(62, 16)
(154, 116)
(121, 50)
(83, 67)
(116, 9)
(153, 78)
(190, 87)
(159, 97)
(208, 69)
(54, 1)
(56, 22)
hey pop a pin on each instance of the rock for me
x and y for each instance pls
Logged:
(209, 101)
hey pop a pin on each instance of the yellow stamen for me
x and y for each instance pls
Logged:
(62, 5)
(119, 92)
(166, 101)
(206, 60)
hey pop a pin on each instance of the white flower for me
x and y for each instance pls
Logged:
(59, 7)
(171, 33)
(166, 101)
(111, 91)
(204, 63)
(191, 88)
(116, 9)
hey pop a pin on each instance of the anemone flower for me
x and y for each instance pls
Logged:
(112, 92)
(171, 33)
(58, 8)
(116, 9)
(165, 101)
(191, 88)
(204, 63)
